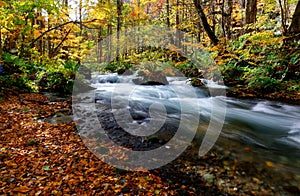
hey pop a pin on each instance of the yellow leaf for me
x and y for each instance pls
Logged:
(2, 4)
(4, 31)
(269, 163)
(36, 33)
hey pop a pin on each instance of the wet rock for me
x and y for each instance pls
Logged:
(292, 189)
(146, 77)
(112, 78)
(197, 82)
(139, 115)
(142, 81)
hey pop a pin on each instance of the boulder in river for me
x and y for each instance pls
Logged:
(197, 82)
(150, 78)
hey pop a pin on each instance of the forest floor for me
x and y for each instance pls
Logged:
(40, 158)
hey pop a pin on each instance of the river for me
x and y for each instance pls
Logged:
(269, 131)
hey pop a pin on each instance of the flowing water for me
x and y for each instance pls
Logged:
(269, 129)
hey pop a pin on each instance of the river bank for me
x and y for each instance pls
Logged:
(244, 92)
(40, 158)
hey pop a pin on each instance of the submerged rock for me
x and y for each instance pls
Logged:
(109, 79)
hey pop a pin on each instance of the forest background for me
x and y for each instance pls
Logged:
(254, 43)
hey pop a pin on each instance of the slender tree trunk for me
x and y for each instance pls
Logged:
(119, 15)
(199, 31)
(49, 38)
(295, 25)
(109, 44)
(168, 13)
(251, 11)
(66, 3)
(283, 16)
(0, 46)
(213, 38)
(223, 17)
(99, 54)
(177, 14)
(80, 17)
(227, 18)
(213, 17)
(119, 24)
(41, 24)
(242, 3)
(178, 35)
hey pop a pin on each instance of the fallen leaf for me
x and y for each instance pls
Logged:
(269, 163)
(247, 148)
(22, 189)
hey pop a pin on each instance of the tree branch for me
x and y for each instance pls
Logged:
(56, 27)
(56, 48)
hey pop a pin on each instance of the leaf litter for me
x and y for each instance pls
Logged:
(40, 158)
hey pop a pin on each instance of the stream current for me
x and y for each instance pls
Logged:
(269, 129)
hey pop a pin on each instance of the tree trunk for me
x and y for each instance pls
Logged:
(0, 47)
(80, 17)
(242, 4)
(177, 14)
(251, 11)
(119, 15)
(199, 27)
(41, 24)
(227, 18)
(205, 24)
(213, 16)
(99, 53)
(283, 13)
(66, 3)
(223, 17)
(168, 13)
(295, 25)
(49, 38)
(178, 35)
(119, 24)
(109, 43)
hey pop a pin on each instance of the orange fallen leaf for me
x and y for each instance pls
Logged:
(22, 189)
(247, 148)
(20, 159)
(53, 169)
(92, 169)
